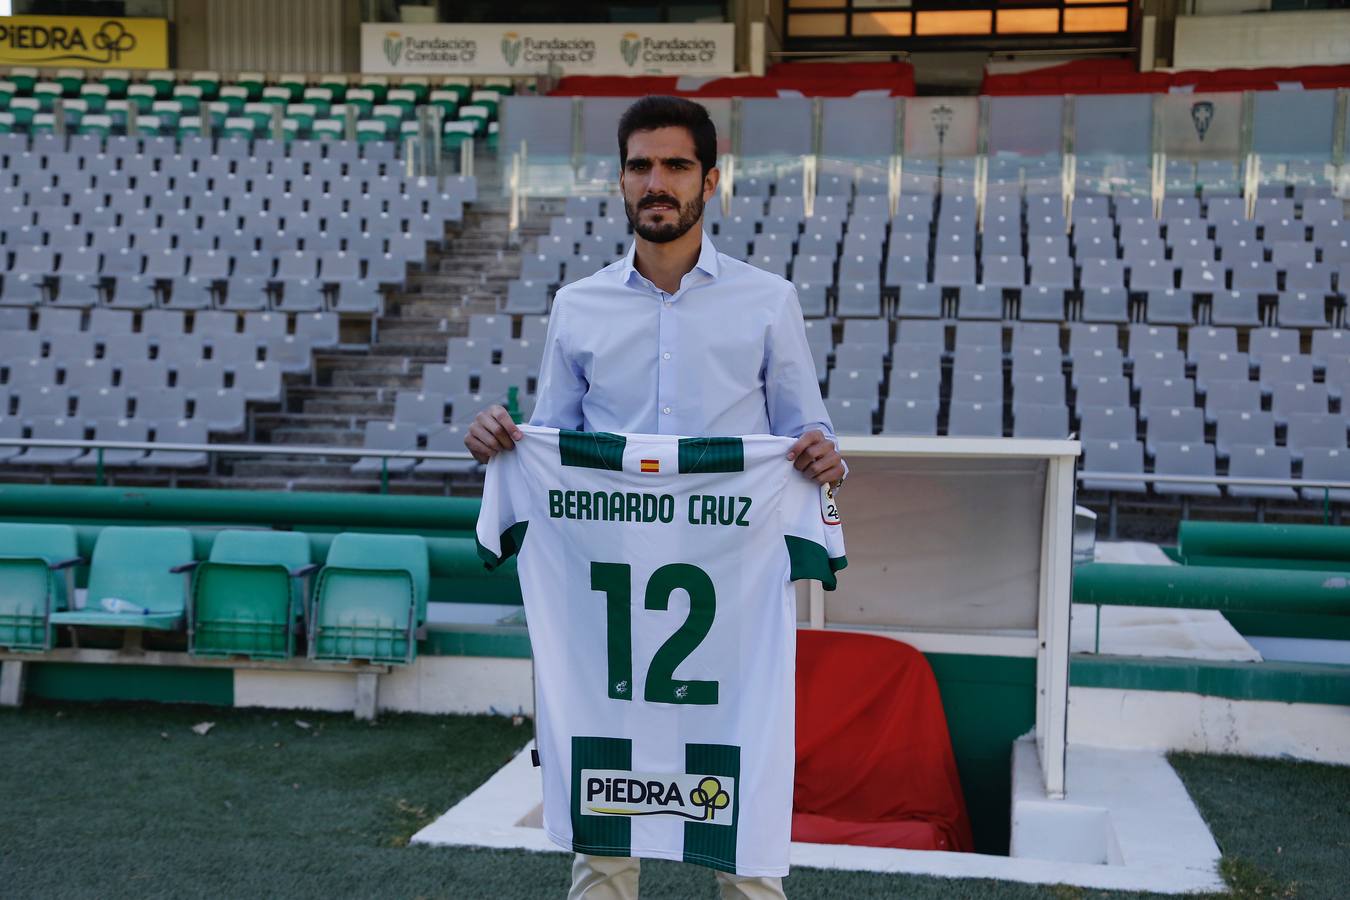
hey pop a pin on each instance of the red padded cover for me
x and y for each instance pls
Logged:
(874, 760)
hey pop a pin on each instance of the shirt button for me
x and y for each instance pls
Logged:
(666, 410)
(667, 304)
(665, 356)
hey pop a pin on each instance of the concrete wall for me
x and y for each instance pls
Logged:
(1271, 39)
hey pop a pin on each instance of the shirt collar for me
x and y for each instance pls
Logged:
(707, 260)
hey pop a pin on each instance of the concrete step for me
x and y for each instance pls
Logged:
(344, 409)
(388, 383)
(317, 437)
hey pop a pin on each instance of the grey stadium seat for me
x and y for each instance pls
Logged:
(910, 417)
(1246, 460)
(1040, 420)
(387, 436)
(1115, 457)
(1195, 459)
(975, 419)
(1321, 464)
(1232, 428)
(849, 416)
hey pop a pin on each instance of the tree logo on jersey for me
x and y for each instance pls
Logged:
(393, 47)
(697, 798)
(1202, 114)
(829, 506)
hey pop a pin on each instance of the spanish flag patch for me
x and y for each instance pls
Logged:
(650, 465)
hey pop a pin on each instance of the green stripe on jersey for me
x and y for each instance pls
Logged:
(811, 561)
(711, 454)
(510, 541)
(706, 844)
(592, 449)
(600, 835)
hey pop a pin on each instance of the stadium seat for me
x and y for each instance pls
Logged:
(37, 578)
(1249, 461)
(141, 567)
(891, 735)
(1325, 464)
(1124, 457)
(370, 598)
(1193, 459)
(248, 596)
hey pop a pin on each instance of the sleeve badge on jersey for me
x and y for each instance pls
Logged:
(829, 506)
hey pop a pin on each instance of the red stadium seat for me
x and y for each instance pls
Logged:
(874, 761)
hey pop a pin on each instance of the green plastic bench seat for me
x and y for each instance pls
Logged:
(247, 598)
(369, 599)
(136, 565)
(36, 567)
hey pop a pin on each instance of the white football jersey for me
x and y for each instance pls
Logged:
(657, 576)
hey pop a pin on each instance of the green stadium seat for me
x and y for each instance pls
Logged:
(190, 126)
(97, 124)
(456, 133)
(116, 81)
(252, 83)
(477, 114)
(294, 84)
(96, 95)
(208, 83)
(7, 92)
(489, 100)
(6, 123)
(36, 579)
(303, 115)
(369, 599)
(329, 129)
(189, 98)
(235, 96)
(459, 86)
(246, 599)
(377, 85)
(47, 93)
(24, 77)
(71, 80)
(446, 101)
(321, 98)
(336, 85)
(142, 96)
(136, 565)
(420, 86)
(42, 123)
(369, 130)
(162, 82)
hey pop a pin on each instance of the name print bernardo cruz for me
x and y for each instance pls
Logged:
(636, 506)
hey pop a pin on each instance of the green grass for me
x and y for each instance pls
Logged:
(126, 801)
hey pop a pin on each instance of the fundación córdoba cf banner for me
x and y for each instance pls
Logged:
(397, 49)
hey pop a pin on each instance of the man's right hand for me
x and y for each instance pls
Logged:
(491, 432)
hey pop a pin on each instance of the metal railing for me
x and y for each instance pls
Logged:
(98, 447)
(462, 455)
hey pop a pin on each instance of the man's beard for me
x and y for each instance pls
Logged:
(689, 214)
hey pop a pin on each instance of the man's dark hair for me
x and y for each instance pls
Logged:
(651, 113)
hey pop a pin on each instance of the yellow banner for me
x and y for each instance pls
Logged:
(88, 41)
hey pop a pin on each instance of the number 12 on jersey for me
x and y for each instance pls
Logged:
(615, 581)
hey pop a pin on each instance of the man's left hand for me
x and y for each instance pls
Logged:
(815, 456)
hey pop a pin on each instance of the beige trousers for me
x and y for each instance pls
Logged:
(616, 878)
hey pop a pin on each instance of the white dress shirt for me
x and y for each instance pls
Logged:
(726, 354)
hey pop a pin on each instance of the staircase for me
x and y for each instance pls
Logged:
(357, 382)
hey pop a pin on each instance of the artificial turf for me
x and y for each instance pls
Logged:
(127, 801)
